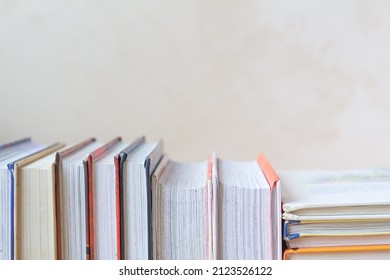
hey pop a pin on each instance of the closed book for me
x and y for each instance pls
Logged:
(134, 167)
(102, 221)
(10, 153)
(34, 205)
(71, 201)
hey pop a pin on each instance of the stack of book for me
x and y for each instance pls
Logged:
(336, 214)
(120, 200)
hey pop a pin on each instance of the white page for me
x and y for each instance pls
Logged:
(308, 189)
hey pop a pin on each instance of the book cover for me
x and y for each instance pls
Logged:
(276, 202)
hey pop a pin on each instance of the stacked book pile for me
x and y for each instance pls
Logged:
(119, 200)
(336, 214)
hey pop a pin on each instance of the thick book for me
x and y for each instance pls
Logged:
(133, 168)
(102, 221)
(9, 153)
(180, 210)
(34, 205)
(71, 201)
(249, 210)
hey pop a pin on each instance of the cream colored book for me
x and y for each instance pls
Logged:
(35, 223)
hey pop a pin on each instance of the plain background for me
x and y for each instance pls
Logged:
(305, 82)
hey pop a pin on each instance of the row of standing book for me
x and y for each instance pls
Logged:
(119, 200)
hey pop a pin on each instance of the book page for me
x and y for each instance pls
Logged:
(334, 188)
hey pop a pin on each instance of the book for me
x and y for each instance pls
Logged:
(367, 252)
(34, 204)
(249, 214)
(336, 208)
(9, 153)
(134, 167)
(300, 234)
(72, 201)
(321, 194)
(180, 205)
(102, 215)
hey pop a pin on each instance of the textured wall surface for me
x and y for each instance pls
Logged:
(305, 82)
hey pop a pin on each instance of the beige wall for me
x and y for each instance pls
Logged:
(305, 82)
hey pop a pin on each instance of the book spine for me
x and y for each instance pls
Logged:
(58, 205)
(118, 209)
(88, 212)
(12, 211)
(149, 207)
(91, 206)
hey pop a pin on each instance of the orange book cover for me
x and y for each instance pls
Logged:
(275, 219)
(269, 172)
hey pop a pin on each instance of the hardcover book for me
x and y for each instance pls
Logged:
(34, 205)
(9, 153)
(134, 167)
(102, 221)
(72, 201)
